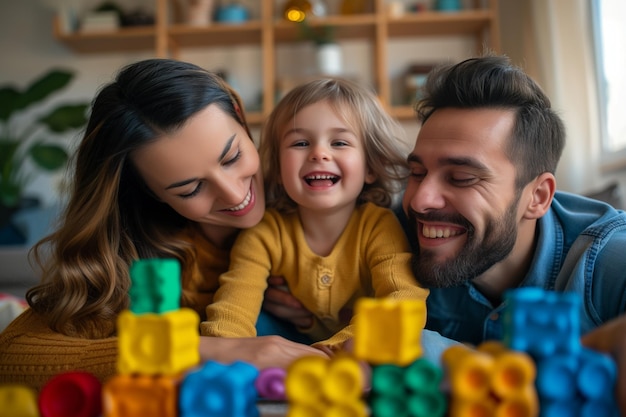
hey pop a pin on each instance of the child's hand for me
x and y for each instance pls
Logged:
(279, 302)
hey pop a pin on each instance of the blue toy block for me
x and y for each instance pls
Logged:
(542, 323)
(581, 384)
(219, 390)
(155, 286)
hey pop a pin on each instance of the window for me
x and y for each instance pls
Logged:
(610, 40)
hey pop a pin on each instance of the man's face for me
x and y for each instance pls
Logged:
(461, 199)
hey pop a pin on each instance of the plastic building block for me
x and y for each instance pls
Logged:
(155, 286)
(18, 401)
(316, 386)
(219, 390)
(407, 391)
(141, 396)
(490, 380)
(577, 382)
(388, 331)
(542, 323)
(270, 384)
(158, 343)
(76, 394)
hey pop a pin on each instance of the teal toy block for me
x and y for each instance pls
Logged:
(413, 390)
(155, 286)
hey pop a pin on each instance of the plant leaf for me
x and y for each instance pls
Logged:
(10, 193)
(66, 117)
(48, 156)
(9, 98)
(8, 148)
(41, 88)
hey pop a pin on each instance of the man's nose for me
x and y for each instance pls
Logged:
(426, 195)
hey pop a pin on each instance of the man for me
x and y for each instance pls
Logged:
(485, 217)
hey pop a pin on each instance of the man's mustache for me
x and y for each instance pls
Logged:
(437, 216)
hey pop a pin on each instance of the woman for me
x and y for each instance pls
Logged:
(166, 168)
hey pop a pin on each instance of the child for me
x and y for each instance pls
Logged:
(331, 166)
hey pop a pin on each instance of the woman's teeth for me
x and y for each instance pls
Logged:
(243, 204)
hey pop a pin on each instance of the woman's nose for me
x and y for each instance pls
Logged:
(230, 191)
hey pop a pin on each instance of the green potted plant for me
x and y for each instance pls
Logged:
(21, 140)
(327, 49)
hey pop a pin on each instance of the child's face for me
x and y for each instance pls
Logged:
(322, 159)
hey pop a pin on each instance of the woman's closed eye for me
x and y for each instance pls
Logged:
(193, 193)
(233, 159)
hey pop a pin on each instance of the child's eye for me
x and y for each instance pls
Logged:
(193, 193)
(300, 144)
(340, 143)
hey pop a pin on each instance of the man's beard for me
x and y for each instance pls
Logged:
(474, 258)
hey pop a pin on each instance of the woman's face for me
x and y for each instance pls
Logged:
(208, 171)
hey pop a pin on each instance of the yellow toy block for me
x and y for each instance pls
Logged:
(18, 401)
(388, 331)
(140, 395)
(158, 343)
(316, 386)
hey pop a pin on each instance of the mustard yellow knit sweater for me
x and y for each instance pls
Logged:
(31, 353)
(371, 258)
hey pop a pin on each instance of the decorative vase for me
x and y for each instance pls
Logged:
(199, 12)
(329, 59)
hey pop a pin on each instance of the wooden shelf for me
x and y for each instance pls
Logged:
(438, 23)
(216, 34)
(123, 40)
(377, 28)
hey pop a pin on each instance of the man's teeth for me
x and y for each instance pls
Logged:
(435, 232)
(243, 204)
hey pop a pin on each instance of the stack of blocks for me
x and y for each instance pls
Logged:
(387, 336)
(571, 380)
(158, 342)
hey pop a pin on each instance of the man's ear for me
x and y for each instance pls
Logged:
(542, 191)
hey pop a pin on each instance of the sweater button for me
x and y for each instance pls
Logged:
(325, 279)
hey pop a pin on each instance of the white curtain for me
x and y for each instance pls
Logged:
(552, 40)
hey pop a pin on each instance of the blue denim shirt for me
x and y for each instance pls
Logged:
(581, 247)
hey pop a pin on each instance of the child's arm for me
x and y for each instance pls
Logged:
(237, 302)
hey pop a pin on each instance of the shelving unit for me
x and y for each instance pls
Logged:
(167, 38)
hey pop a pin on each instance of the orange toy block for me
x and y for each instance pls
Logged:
(140, 396)
(491, 380)
(388, 331)
(158, 343)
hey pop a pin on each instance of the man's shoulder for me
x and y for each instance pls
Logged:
(579, 212)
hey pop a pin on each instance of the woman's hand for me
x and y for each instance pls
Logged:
(279, 302)
(262, 352)
(611, 338)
